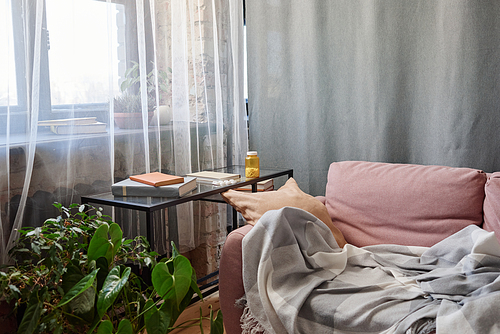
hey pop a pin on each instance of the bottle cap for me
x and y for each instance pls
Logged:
(252, 153)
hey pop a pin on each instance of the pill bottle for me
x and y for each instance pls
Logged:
(252, 165)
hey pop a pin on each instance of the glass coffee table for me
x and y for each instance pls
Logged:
(206, 192)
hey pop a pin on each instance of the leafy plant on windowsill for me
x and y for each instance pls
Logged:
(73, 274)
(130, 101)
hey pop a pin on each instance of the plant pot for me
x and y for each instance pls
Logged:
(131, 120)
(165, 114)
(8, 319)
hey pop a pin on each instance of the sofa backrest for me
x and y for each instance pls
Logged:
(381, 203)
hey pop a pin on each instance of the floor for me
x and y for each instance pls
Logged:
(193, 311)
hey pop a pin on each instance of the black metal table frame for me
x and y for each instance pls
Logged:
(172, 202)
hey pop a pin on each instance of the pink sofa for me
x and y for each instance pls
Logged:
(381, 203)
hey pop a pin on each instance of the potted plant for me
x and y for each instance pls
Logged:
(128, 105)
(74, 275)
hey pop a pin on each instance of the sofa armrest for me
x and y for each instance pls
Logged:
(322, 199)
(231, 279)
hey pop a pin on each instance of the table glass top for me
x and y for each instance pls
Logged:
(202, 190)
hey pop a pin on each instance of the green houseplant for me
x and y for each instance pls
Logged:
(128, 104)
(73, 274)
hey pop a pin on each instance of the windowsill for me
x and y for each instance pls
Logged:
(46, 136)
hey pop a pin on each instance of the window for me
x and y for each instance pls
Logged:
(7, 70)
(86, 47)
(83, 50)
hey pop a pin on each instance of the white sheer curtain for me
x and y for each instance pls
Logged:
(179, 61)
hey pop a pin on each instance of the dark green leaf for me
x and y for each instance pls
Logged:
(162, 280)
(125, 327)
(173, 310)
(170, 265)
(111, 289)
(216, 325)
(116, 235)
(170, 309)
(71, 277)
(177, 285)
(157, 323)
(83, 305)
(99, 244)
(31, 315)
(58, 329)
(185, 302)
(102, 264)
(30, 319)
(106, 327)
(149, 309)
(81, 286)
(51, 235)
(95, 322)
(194, 286)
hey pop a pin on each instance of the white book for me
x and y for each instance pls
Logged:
(209, 176)
(96, 127)
(68, 121)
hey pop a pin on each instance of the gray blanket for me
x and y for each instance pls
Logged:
(297, 280)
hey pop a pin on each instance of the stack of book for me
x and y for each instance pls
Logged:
(266, 185)
(74, 125)
(154, 185)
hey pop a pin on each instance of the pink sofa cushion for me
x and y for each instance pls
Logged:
(492, 204)
(379, 203)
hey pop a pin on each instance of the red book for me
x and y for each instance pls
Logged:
(157, 179)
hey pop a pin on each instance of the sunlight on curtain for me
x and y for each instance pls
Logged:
(177, 64)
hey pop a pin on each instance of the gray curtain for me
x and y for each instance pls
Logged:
(408, 81)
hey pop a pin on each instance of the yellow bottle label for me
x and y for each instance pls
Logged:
(252, 166)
